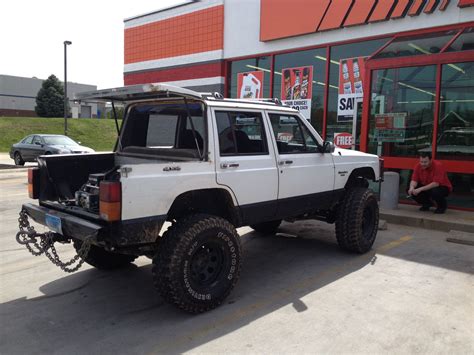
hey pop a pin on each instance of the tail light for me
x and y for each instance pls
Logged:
(33, 183)
(110, 200)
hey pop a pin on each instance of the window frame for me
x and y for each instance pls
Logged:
(233, 110)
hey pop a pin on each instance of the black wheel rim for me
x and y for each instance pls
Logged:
(368, 221)
(207, 264)
(17, 158)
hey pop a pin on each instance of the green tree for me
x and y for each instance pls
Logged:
(50, 98)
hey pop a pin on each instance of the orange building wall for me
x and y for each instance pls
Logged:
(196, 32)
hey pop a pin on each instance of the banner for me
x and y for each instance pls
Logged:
(351, 86)
(297, 89)
(390, 127)
(250, 85)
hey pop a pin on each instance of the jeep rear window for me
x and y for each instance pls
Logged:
(164, 126)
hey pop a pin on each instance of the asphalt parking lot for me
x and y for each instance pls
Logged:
(413, 293)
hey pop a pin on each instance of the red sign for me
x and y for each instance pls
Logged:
(250, 85)
(343, 140)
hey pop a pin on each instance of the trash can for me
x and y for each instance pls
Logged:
(389, 190)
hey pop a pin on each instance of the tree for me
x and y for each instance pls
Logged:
(50, 98)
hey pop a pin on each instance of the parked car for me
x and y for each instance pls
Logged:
(31, 147)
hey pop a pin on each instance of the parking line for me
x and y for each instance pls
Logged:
(252, 308)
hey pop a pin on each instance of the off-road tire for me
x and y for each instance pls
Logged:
(18, 159)
(357, 220)
(266, 227)
(105, 260)
(197, 263)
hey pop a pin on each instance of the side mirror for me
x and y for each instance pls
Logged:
(328, 147)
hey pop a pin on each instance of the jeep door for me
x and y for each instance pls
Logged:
(245, 162)
(306, 176)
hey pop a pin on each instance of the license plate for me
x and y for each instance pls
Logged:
(54, 223)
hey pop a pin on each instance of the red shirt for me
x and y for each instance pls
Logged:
(435, 173)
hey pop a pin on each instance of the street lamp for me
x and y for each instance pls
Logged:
(66, 43)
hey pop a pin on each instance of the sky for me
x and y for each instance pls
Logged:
(33, 32)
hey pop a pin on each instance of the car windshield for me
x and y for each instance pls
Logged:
(58, 140)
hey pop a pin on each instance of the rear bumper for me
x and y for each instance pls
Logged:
(72, 226)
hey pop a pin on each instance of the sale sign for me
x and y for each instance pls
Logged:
(351, 86)
(250, 85)
(343, 140)
(297, 89)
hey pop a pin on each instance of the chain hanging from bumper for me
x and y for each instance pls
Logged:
(27, 236)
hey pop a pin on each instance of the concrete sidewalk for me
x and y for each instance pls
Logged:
(409, 215)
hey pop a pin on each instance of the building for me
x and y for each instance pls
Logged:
(387, 77)
(18, 97)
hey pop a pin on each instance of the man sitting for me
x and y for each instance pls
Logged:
(429, 183)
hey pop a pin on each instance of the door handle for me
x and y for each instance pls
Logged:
(285, 162)
(229, 165)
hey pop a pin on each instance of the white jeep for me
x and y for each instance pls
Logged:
(207, 165)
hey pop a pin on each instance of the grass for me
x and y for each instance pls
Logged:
(98, 134)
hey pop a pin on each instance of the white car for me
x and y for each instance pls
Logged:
(208, 165)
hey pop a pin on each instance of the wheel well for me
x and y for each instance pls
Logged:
(217, 202)
(360, 176)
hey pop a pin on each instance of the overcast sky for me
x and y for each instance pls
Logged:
(33, 32)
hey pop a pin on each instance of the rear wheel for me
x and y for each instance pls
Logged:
(266, 227)
(198, 263)
(357, 221)
(18, 159)
(105, 260)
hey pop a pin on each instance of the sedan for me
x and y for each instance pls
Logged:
(31, 147)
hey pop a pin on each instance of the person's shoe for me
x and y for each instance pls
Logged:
(440, 210)
(425, 208)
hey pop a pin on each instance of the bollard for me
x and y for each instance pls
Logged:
(389, 190)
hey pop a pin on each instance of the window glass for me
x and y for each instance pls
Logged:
(161, 131)
(28, 140)
(402, 109)
(240, 133)
(464, 42)
(316, 59)
(456, 116)
(291, 135)
(353, 50)
(37, 140)
(417, 45)
(250, 65)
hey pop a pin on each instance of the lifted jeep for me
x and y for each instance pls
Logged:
(207, 165)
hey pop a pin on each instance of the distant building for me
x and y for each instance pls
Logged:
(18, 97)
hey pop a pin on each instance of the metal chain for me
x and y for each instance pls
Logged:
(27, 237)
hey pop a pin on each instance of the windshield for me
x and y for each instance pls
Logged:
(58, 140)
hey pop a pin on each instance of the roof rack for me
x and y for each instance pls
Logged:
(266, 101)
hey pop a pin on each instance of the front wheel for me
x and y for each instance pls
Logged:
(104, 260)
(18, 159)
(198, 263)
(357, 221)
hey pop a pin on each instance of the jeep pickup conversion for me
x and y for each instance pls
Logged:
(207, 165)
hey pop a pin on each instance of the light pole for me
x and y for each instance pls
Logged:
(66, 43)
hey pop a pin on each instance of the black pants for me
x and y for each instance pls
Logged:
(437, 194)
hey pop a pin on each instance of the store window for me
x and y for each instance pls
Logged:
(464, 42)
(456, 117)
(402, 111)
(250, 78)
(353, 51)
(417, 45)
(300, 81)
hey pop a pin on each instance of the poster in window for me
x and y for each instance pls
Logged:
(351, 86)
(390, 127)
(250, 85)
(297, 89)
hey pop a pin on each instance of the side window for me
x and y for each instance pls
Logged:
(28, 140)
(292, 136)
(241, 133)
(37, 140)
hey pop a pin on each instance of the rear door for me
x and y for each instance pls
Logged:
(246, 163)
(37, 148)
(306, 176)
(26, 148)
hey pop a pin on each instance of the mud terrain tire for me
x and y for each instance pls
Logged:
(104, 260)
(357, 221)
(198, 263)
